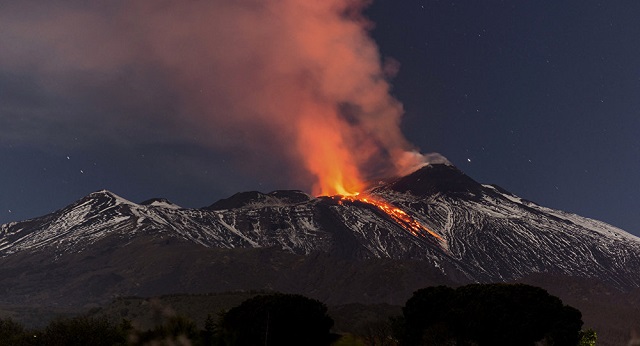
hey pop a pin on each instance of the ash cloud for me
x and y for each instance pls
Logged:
(268, 80)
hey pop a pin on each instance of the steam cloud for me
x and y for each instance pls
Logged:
(300, 81)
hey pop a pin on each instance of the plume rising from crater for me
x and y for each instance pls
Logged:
(299, 83)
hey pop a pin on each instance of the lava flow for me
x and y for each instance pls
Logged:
(398, 215)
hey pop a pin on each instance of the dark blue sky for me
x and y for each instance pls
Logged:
(539, 97)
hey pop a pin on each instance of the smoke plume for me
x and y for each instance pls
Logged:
(287, 82)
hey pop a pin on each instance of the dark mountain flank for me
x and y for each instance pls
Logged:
(337, 250)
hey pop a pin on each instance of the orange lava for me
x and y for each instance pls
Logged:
(329, 157)
(398, 215)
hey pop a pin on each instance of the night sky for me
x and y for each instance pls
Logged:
(538, 97)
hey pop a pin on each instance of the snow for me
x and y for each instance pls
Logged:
(163, 204)
(498, 236)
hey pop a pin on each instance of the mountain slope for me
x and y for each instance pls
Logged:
(480, 233)
(503, 237)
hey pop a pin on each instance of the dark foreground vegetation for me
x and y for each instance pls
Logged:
(493, 314)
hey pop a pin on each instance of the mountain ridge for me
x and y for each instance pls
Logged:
(481, 233)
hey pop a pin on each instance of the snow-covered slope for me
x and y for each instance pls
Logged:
(487, 234)
(499, 236)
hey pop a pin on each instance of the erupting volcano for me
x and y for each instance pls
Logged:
(335, 96)
(344, 183)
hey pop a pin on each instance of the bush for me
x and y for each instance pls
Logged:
(588, 338)
(176, 330)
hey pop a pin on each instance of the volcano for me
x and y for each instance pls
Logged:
(333, 248)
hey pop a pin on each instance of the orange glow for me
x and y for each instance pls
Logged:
(290, 83)
(329, 158)
(398, 215)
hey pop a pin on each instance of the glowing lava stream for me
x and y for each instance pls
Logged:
(398, 215)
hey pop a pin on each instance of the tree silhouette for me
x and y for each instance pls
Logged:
(13, 333)
(277, 319)
(493, 314)
(81, 331)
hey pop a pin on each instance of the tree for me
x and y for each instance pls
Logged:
(425, 316)
(209, 331)
(377, 333)
(588, 338)
(176, 330)
(277, 319)
(82, 330)
(13, 333)
(493, 314)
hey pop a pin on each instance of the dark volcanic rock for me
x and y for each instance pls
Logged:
(256, 199)
(332, 249)
(437, 179)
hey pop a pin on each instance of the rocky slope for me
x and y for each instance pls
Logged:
(104, 245)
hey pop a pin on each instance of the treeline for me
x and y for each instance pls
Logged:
(493, 314)
(273, 319)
